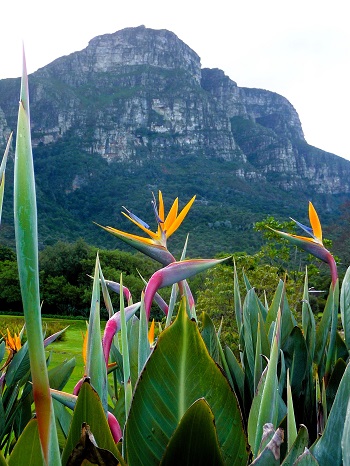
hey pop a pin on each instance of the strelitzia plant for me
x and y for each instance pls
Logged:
(313, 244)
(156, 245)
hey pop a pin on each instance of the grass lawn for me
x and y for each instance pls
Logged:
(70, 346)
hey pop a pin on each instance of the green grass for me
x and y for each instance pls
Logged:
(71, 346)
(68, 347)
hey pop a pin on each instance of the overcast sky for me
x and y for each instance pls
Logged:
(299, 49)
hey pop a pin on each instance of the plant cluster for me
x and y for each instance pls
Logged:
(174, 394)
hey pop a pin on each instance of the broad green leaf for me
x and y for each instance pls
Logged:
(125, 352)
(209, 337)
(95, 362)
(172, 301)
(179, 372)
(295, 356)
(291, 426)
(63, 418)
(341, 350)
(301, 442)
(89, 409)
(331, 350)
(307, 459)
(19, 366)
(327, 450)
(105, 292)
(27, 451)
(248, 286)
(345, 306)
(258, 359)
(88, 452)
(251, 317)
(59, 375)
(288, 320)
(25, 220)
(334, 381)
(237, 300)
(195, 441)
(3, 462)
(143, 343)
(2, 174)
(266, 401)
(345, 444)
(237, 374)
(275, 304)
(323, 329)
(270, 456)
(133, 342)
(2, 351)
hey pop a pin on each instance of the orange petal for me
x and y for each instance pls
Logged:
(151, 333)
(175, 225)
(85, 342)
(171, 215)
(18, 343)
(315, 222)
(119, 233)
(10, 341)
(161, 206)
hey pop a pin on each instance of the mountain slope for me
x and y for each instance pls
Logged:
(133, 113)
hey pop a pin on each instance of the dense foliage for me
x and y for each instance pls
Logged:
(65, 277)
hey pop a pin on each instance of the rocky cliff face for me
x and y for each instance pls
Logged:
(139, 97)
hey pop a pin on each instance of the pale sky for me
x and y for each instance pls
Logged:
(299, 48)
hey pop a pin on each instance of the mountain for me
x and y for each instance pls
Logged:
(134, 112)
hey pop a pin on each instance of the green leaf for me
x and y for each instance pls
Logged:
(63, 418)
(266, 401)
(295, 355)
(291, 426)
(209, 337)
(2, 175)
(327, 450)
(251, 317)
(323, 329)
(2, 350)
(59, 375)
(237, 300)
(195, 441)
(179, 372)
(95, 362)
(125, 352)
(345, 306)
(308, 320)
(89, 409)
(19, 366)
(306, 459)
(143, 343)
(334, 381)
(270, 456)
(25, 220)
(236, 372)
(345, 444)
(87, 451)
(27, 451)
(3, 462)
(298, 447)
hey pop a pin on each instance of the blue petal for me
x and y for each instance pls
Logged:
(308, 230)
(136, 218)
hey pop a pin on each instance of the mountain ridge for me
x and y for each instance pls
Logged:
(138, 102)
